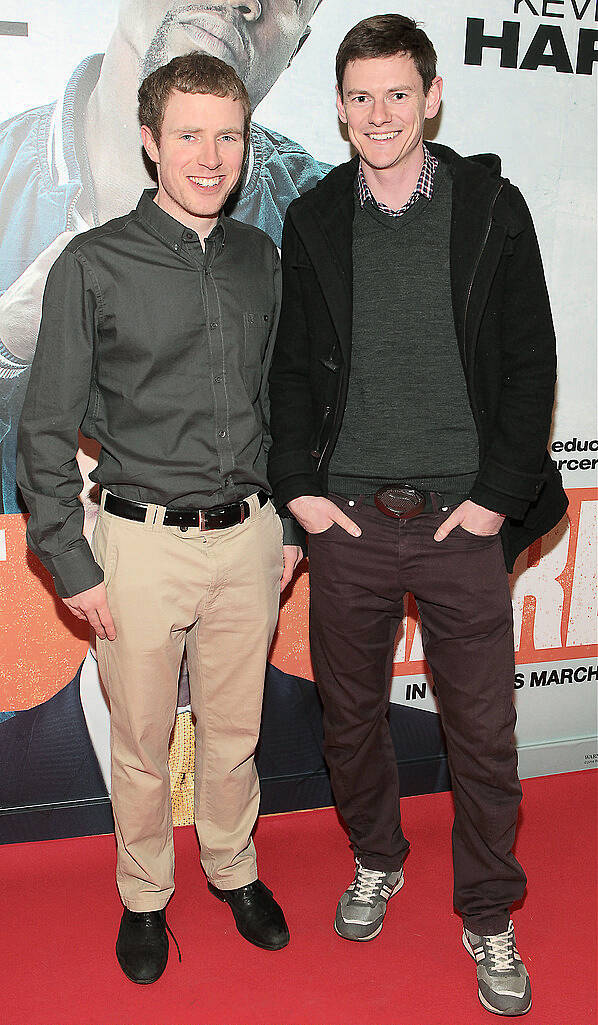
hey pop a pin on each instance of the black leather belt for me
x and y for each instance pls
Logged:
(205, 519)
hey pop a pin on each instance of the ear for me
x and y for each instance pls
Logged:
(433, 97)
(340, 107)
(150, 145)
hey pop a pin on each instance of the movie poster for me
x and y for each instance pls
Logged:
(520, 81)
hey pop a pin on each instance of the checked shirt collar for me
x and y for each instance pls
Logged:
(424, 187)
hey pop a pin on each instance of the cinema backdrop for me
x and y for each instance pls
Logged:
(519, 81)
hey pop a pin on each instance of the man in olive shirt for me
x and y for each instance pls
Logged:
(156, 338)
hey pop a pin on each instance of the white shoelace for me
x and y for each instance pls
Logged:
(367, 884)
(502, 950)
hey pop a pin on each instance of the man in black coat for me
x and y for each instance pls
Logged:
(411, 392)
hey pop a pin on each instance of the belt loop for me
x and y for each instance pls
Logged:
(103, 495)
(253, 503)
(154, 516)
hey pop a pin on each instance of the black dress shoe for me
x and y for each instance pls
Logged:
(258, 917)
(142, 945)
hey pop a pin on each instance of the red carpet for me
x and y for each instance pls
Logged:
(60, 916)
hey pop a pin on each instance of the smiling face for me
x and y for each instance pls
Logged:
(199, 156)
(256, 37)
(384, 107)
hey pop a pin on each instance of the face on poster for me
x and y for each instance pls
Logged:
(257, 38)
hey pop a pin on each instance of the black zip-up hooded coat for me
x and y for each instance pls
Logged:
(503, 325)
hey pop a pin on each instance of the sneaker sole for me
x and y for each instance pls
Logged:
(372, 935)
(505, 1014)
(360, 939)
(484, 1003)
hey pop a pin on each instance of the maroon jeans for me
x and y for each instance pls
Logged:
(460, 584)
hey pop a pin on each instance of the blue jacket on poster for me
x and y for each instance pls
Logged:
(43, 171)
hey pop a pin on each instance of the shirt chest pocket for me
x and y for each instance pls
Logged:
(256, 328)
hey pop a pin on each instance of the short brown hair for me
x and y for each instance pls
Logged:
(385, 35)
(192, 73)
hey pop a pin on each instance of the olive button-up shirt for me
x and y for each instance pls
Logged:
(159, 349)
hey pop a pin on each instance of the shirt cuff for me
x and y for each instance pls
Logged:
(75, 570)
(506, 505)
(293, 533)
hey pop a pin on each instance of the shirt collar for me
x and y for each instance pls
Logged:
(171, 231)
(424, 187)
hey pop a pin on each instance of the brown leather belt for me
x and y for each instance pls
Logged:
(205, 519)
(402, 501)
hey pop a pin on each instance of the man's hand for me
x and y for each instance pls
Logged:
(316, 514)
(92, 605)
(292, 557)
(473, 518)
(21, 304)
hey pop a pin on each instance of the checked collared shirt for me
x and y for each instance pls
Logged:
(424, 187)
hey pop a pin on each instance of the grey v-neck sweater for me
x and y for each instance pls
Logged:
(408, 416)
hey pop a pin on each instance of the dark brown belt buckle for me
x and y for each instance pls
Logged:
(400, 501)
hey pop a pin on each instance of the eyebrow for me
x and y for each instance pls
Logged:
(196, 131)
(391, 89)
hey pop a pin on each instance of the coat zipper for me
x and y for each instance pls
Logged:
(315, 451)
(327, 411)
(475, 270)
(320, 460)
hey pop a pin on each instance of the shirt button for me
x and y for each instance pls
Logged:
(183, 529)
(214, 324)
(351, 502)
(217, 380)
(222, 434)
(189, 236)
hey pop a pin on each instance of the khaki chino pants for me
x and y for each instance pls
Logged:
(217, 592)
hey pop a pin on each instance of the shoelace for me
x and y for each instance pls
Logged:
(174, 938)
(502, 950)
(367, 884)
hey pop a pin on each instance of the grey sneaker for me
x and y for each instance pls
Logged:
(361, 909)
(503, 982)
